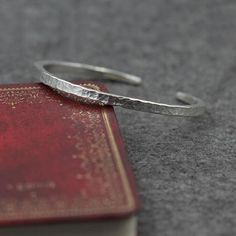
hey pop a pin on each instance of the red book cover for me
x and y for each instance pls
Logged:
(60, 160)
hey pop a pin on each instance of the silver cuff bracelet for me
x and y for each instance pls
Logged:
(47, 74)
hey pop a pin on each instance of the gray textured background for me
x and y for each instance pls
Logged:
(185, 168)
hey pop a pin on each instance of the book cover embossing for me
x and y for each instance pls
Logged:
(59, 158)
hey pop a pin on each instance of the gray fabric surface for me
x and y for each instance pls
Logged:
(185, 168)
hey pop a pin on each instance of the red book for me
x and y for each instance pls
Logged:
(62, 161)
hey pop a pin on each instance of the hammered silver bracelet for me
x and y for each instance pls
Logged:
(47, 73)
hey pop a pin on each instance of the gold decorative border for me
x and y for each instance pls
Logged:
(117, 155)
(130, 206)
(20, 88)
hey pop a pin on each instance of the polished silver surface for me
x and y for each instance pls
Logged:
(47, 73)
